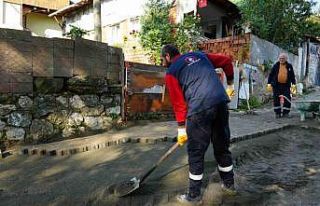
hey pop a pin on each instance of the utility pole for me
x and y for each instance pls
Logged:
(97, 20)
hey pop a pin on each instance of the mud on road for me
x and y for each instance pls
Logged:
(282, 168)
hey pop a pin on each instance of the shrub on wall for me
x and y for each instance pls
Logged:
(76, 32)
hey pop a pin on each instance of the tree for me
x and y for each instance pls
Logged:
(313, 26)
(188, 33)
(282, 22)
(156, 29)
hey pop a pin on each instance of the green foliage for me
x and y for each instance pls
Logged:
(156, 29)
(76, 32)
(282, 22)
(313, 26)
(114, 116)
(254, 103)
(187, 33)
(267, 65)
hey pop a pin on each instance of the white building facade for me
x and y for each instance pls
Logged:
(119, 18)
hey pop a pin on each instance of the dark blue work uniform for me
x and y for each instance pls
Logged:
(200, 102)
(281, 88)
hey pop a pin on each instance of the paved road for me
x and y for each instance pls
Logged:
(82, 178)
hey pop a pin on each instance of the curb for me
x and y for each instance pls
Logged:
(40, 151)
(90, 147)
(260, 133)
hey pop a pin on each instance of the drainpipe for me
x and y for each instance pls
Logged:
(97, 20)
(1, 12)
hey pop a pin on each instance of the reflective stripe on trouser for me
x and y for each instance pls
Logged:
(279, 108)
(208, 126)
(226, 174)
(281, 89)
(195, 177)
(225, 169)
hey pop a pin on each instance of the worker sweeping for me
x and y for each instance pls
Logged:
(199, 102)
(282, 81)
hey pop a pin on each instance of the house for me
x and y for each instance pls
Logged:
(218, 18)
(32, 15)
(120, 20)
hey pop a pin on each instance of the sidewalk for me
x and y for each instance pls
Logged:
(242, 127)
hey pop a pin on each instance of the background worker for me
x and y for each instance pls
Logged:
(282, 81)
(199, 102)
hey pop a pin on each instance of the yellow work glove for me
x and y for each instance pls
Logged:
(293, 89)
(269, 88)
(230, 91)
(182, 136)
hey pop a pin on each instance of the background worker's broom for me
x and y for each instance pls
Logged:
(249, 111)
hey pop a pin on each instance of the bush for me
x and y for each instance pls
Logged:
(254, 103)
(76, 32)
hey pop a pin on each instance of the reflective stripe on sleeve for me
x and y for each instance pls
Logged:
(195, 177)
(225, 169)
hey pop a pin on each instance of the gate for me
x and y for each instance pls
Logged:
(145, 95)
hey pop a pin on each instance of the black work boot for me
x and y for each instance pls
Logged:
(278, 115)
(286, 115)
(190, 199)
(228, 189)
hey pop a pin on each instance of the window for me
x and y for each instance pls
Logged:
(115, 34)
(211, 31)
(11, 15)
(134, 24)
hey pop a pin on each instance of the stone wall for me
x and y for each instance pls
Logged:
(53, 89)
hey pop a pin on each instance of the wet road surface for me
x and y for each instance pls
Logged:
(281, 168)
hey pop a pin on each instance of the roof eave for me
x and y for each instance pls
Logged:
(70, 8)
(229, 6)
